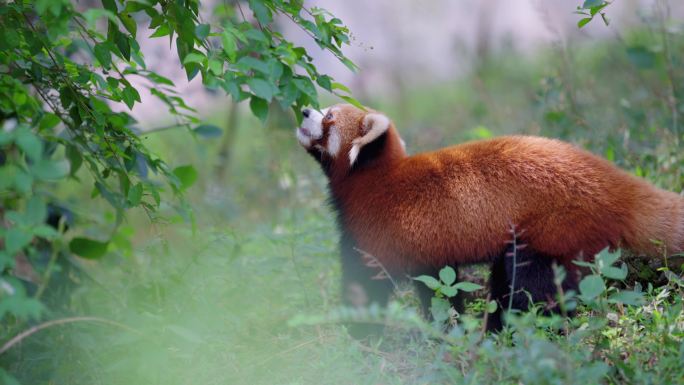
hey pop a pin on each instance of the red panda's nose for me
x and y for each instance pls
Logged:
(306, 112)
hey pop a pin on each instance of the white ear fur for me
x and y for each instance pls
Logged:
(373, 126)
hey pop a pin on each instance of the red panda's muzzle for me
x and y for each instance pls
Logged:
(311, 130)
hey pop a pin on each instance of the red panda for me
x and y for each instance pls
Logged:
(416, 214)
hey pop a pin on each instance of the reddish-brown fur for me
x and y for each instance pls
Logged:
(455, 205)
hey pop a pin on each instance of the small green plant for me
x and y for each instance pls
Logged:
(446, 287)
(593, 289)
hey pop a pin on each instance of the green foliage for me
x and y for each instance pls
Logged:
(540, 349)
(591, 8)
(447, 287)
(63, 70)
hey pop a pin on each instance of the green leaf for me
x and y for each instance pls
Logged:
(306, 86)
(47, 169)
(23, 181)
(208, 131)
(606, 258)
(163, 30)
(194, 57)
(256, 35)
(202, 31)
(135, 194)
(261, 12)
(448, 275)
(130, 95)
(261, 88)
(110, 5)
(289, 94)
(30, 144)
(88, 248)
(16, 239)
(45, 232)
(123, 44)
(439, 307)
(55, 7)
(103, 54)
(352, 101)
(491, 306)
(229, 45)
(259, 108)
(159, 79)
(48, 121)
(592, 3)
(129, 23)
(349, 64)
(449, 291)
(583, 22)
(275, 70)
(92, 14)
(325, 82)
(216, 66)
(614, 272)
(187, 175)
(468, 287)
(592, 286)
(429, 281)
(249, 63)
(6, 137)
(340, 86)
(75, 159)
(628, 297)
(36, 211)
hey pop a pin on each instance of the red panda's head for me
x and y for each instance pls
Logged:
(342, 136)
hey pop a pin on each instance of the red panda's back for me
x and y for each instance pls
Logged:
(570, 201)
(567, 200)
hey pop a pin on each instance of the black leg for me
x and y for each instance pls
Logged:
(425, 294)
(521, 281)
(498, 289)
(362, 286)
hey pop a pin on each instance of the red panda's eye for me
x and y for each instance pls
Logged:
(328, 116)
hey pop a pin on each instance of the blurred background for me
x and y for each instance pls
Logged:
(208, 297)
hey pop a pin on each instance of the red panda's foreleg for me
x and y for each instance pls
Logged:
(363, 284)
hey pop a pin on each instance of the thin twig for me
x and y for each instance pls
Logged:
(514, 254)
(379, 264)
(21, 336)
(485, 318)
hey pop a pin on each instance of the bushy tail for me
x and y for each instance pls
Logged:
(658, 224)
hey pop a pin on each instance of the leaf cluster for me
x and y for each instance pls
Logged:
(69, 78)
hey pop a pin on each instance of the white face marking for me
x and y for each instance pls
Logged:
(303, 139)
(334, 142)
(312, 127)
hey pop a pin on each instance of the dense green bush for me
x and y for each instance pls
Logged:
(62, 70)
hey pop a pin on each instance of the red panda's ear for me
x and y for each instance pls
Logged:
(372, 126)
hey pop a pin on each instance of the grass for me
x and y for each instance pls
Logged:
(250, 293)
